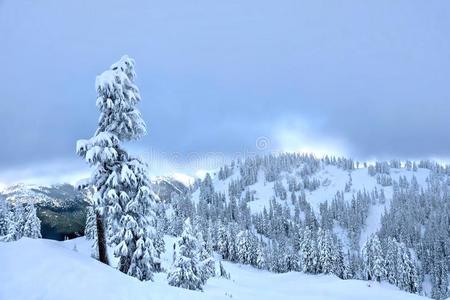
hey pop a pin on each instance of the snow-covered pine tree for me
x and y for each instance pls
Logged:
(207, 189)
(181, 211)
(32, 226)
(122, 188)
(348, 185)
(280, 190)
(19, 218)
(261, 261)
(309, 253)
(186, 271)
(366, 254)
(379, 265)
(325, 248)
(439, 279)
(160, 246)
(207, 264)
(281, 256)
(355, 266)
(439, 270)
(273, 256)
(391, 260)
(4, 216)
(407, 279)
(339, 267)
(233, 230)
(90, 231)
(211, 236)
(373, 259)
(16, 218)
(12, 232)
(222, 241)
(246, 247)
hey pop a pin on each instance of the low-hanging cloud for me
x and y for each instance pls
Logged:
(295, 135)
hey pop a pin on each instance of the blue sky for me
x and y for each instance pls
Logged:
(368, 79)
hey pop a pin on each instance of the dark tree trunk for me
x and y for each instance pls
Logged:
(124, 264)
(101, 238)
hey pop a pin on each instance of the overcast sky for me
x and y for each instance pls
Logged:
(368, 79)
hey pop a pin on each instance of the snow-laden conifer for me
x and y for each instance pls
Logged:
(373, 259)
(32, 224)
(186, 272)
(123, 195)
(207, 264)
(309, 253)
(325, 249)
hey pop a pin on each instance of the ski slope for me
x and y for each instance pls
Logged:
(50, 270)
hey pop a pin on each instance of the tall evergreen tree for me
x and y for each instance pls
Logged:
(407, 275)
(123, 194)
(373, 259)
(325, 248)
(207, 264)
(439, 272)
(32, 225)
(4, 216)
(246, 247)
(391, 261)
(309, 252)
(261, 260)
(13, 230)
(339, 266)
(187, 271)
(207, 189)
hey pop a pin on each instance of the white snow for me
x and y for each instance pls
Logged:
(44, 269)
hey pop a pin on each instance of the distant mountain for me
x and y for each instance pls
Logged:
(165, 186)
(61, 196)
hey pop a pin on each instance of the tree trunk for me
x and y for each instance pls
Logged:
(124, 264)
(101, 238)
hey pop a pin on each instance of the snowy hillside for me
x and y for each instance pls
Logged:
(332, 180)
(383, 220)
(44, 269)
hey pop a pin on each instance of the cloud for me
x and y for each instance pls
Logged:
(46, 173)
(297, 135)
(193, 164)
(216, 76)
(183, 168)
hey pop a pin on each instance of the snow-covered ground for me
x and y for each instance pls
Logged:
(47, 270)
